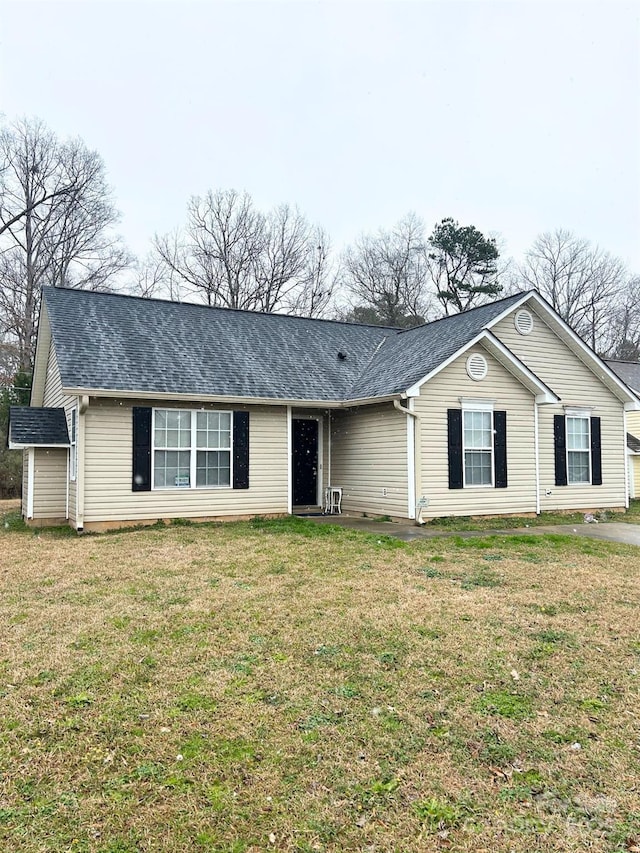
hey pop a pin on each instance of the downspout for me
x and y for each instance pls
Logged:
(626, 458)
(537, 454)
(31, 453)
(417, 456)
(329, 448)
(83, 405)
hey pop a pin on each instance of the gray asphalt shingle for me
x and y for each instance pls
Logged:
(628, 371)
(123, 343)
(33, 426)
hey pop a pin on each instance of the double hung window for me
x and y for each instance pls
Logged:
(191, 449)
(478, 448)
(578, 450)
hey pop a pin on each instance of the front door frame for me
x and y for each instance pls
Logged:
(320, 470)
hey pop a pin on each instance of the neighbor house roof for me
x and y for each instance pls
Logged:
(633, 443)
(31, 427)
(628, 371)
(110, 342)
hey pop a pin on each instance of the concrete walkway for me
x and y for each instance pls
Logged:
(611, 531)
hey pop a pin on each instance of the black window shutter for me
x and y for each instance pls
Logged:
(454, 424)
(560, 449)
(241, 450)
(500, 449)
(596, 453)
(141, 474)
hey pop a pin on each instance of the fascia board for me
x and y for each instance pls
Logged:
(16, 445)
(578, 346)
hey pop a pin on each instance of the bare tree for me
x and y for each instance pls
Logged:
(623, 333)
(56, 216)
(464, 266)
(386, 275)
(318, 279)
(582, 282)
(230, 254)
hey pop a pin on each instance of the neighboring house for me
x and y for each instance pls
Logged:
(146, 409)
(629, 372)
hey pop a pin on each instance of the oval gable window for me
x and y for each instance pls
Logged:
(477, 366)
(524, 321)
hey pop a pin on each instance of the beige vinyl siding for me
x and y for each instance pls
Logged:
(50, 483)
(633, 426)
(108, 437)
(508, 394)
(634, 476)
(369, 455)
(53, 396)
(25, 482)
(576, 385)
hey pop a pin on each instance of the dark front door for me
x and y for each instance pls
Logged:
(305, 462)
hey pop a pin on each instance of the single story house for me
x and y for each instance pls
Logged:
(146, 409)
(629, 372)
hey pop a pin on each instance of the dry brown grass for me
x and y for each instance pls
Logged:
(289, 687)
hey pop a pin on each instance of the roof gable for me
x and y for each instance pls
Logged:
(596, 365)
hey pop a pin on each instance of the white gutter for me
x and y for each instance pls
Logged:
(84, 393)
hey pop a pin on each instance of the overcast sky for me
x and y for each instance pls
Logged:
(516, 117)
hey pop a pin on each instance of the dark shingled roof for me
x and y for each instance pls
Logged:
(32, 426)
(633, 443)
(628, 371)
(411, 355)
(123, 343)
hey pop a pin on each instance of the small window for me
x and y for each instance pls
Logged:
(478, 448)
(524, 321)
(73, 452)
(578, 450)
(477, 366)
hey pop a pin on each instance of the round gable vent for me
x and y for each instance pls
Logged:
(477, 366)
(524, 321)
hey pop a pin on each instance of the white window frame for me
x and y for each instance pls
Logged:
(585, 416)
(192, 449)
(73, 445)
(469, 407)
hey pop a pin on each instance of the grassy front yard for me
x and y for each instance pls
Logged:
(290, 687)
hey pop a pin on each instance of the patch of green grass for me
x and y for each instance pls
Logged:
(437, 814)
(503, 703)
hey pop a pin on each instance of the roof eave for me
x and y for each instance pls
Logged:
(221, 398)
(19, 445)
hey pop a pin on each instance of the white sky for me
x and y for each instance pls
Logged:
(515, 117)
